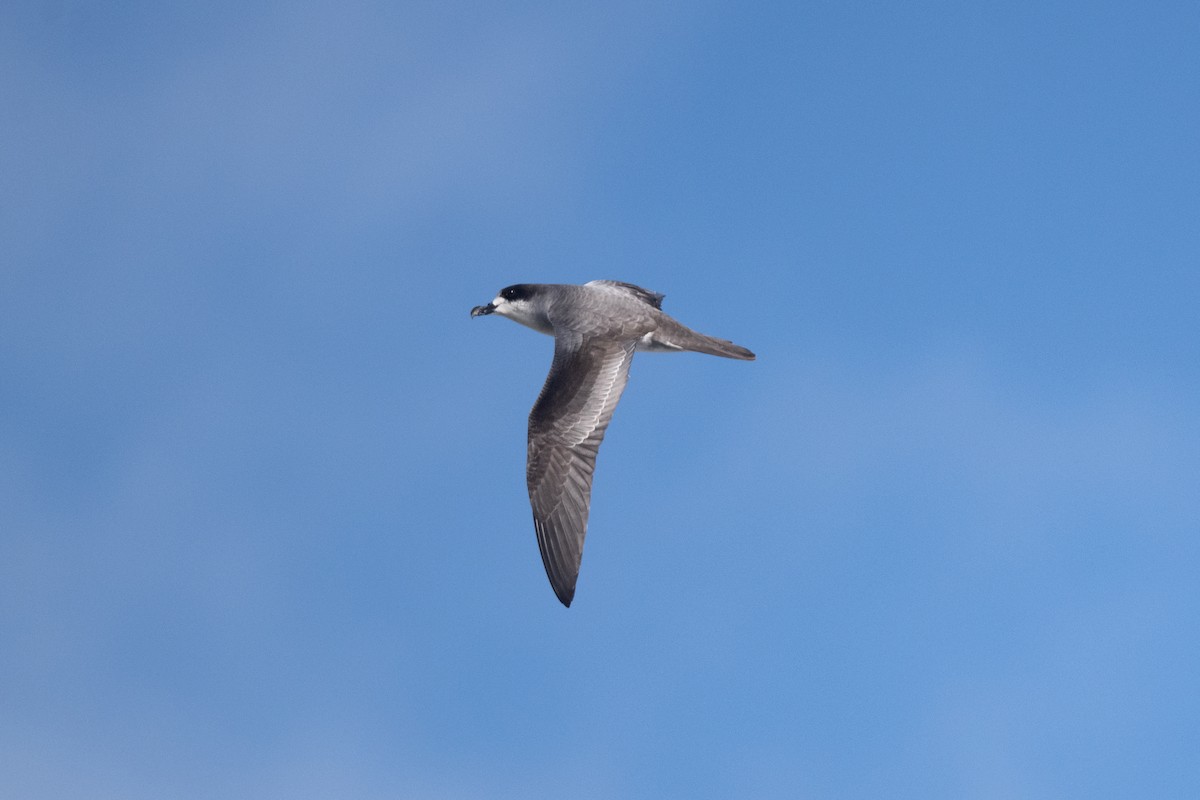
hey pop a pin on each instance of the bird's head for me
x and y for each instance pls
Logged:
(518, 303)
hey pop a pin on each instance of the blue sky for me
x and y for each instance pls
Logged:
(263, 525)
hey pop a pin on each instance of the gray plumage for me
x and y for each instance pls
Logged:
(597, 328)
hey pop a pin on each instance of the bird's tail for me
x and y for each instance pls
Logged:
(673, 336)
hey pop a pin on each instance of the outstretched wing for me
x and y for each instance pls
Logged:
(566, 427)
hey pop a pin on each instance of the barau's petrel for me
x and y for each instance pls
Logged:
(596, 329)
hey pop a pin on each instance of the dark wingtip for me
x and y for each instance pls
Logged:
(565, 596)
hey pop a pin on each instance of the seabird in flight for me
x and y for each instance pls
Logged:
(596, 329)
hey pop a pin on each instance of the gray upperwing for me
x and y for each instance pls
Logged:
(648, 297)
(566, 427)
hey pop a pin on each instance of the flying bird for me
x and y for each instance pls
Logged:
(596, 329)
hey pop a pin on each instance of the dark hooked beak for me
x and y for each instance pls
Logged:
(479, 311)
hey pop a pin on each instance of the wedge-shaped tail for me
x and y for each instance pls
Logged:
(672, 336)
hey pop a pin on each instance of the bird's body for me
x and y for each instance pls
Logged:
(596, 329)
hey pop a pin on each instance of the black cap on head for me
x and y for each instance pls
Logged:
(518, 291)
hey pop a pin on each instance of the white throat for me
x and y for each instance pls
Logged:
(524, 312)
